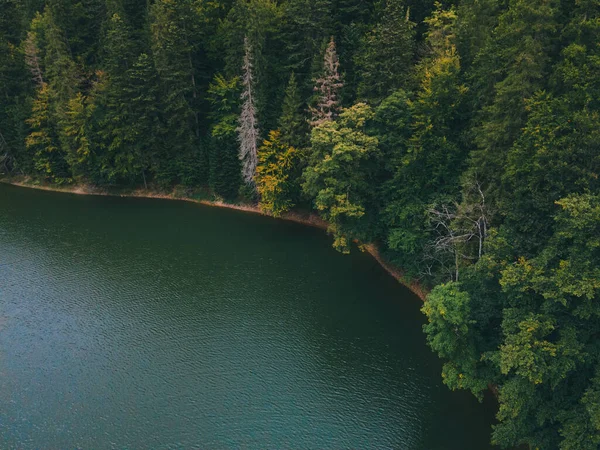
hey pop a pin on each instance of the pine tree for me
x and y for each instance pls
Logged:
(292, 124)
(514, 65)
(327, 88)
(75, 137)
(260, 22)
(80, 21)
(32, 58)
(248, 133)
(310, 22)
(142, 93)
(225, 165)
(42, 141)
(16, 88)
(429, 172)
(61, 71)
(116, 126)
(386, 56)
(176, 36)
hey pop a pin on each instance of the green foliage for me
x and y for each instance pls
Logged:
(386, 57)
(274, 175)
(339, 172)
(14, 90)
(75, 139)
(292, 123)
(474, 157)
(177, 34)
(450, 333)
(225, 167)
(517, 61)
(42, 141)
(260, 22)
(308, 24)
(556, 152)
(432, 157)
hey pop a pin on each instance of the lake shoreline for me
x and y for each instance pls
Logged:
(308, 219)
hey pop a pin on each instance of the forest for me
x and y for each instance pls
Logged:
(462, 137)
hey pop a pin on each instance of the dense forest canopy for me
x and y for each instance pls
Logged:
(462, 136)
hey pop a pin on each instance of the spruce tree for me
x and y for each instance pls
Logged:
(248, 133)
(42, 142)
(327, 88)
(75, 137)
(309, 23)
(515, 64)
(429, 173)
(225, 165)
(386, 57)
(292, 123)
(176, 36)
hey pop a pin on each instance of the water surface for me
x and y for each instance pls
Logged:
(137, 323)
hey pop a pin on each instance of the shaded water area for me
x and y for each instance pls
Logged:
(139, 323)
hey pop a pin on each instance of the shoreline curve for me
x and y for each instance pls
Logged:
(308, 219)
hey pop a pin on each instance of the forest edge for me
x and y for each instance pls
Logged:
(304, 218)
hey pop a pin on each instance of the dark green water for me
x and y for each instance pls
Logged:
(133, 323)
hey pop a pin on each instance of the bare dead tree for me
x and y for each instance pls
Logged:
(458, 225)
(248, 133)
(327, 86)
(32, 58)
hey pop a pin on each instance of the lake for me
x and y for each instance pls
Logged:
(141, 323)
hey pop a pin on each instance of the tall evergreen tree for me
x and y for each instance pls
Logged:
(177, 34)
(259, 21)
(386, 56)
(429, 173)
(292, 123)
(248, 125)
(308, 24)
(15, 88)
(327, 88)
(43, 143)
(75, 138)
(517, 61)
(225, 165)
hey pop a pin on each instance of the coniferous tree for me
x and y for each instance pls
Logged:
(176, 36)
(248, 125)
(260, 22)
(386, 57)
(116, 125)
(32, 58)
(61, 71)
(292, 123)
(309, 23)
(517, 62)
(15, 88)
(327, 88)
(142, 93)
(80, 22)
(43, 143)
(225, 165)
(429, 173)
(76, 138)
